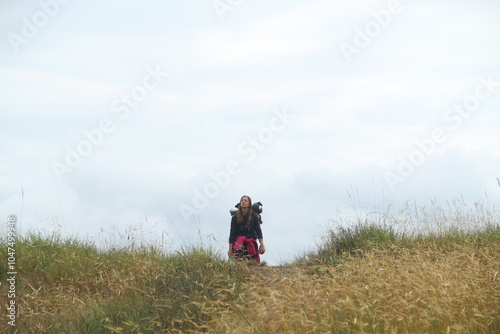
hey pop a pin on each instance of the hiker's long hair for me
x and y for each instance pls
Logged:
(239, 214)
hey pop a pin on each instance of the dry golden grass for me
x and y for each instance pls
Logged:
(71, 287)
(54, 301)
(396, 290)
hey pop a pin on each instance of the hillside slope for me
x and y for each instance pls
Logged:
(394, 290)
(370, 282)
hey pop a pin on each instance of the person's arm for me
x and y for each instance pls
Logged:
(258, 230)
(232, 236)
(262, 247)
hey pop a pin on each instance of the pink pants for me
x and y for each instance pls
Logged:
(251, 245)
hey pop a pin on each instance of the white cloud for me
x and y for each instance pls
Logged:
(353, 121)
(40, 94)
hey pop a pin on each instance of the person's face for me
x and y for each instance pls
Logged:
(244, 202)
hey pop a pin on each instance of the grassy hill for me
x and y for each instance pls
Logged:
(366, 278)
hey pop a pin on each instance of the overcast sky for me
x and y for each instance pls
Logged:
(150, 119)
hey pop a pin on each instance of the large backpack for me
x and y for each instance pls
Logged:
(256, 208)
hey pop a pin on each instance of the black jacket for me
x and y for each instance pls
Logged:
(251, 230)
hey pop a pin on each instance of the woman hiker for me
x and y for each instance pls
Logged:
(245, 230)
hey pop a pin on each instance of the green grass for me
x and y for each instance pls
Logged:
(365, 236)
(353, 240)
(448, 228)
